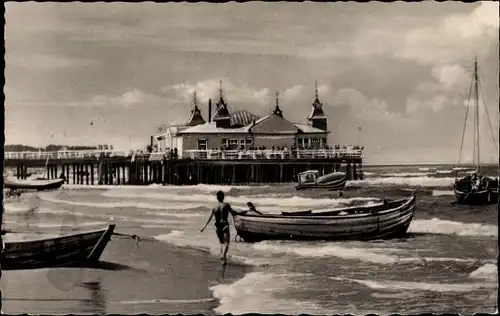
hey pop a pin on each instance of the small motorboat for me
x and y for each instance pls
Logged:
(81, 249)
(388, 219)
(310, 179)
(467, 192)
(33, 184)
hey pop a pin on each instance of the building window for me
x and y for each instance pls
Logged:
(202, 144)
(314, 141)
(224, 142)
(249, 141)
(324, 141)
(233, 144)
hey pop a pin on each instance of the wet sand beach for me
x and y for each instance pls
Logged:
(154, 278)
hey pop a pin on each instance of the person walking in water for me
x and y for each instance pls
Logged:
(221, 213)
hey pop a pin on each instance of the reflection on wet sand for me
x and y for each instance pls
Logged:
(96, 304)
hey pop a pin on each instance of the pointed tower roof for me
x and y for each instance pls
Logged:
(221, 110)
(277, 110)
(196, 117)
(317, 106)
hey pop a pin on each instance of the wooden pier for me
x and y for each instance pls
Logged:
(194, 167)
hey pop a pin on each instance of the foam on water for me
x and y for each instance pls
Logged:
(255, 293)
(129, 204)
(209, 188)
(422, 286)
(439, 226)
(55, 225)
(442, 192)
(401, 181)
(488, 271)
(408, 174)
(425, 169)
(329, 250)
(377, 255)
(446, 171)
(64, 225)
(271, 200)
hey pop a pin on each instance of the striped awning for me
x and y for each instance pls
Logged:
(242, 118)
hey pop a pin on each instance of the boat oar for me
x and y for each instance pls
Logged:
(252, 208)
(134, 237)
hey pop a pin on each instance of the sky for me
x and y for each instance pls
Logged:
(112, 73)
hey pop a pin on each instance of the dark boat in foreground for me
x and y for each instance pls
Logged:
(310, 179)
(35, 184)
(476, 188)
(81, 249)
(388, 219)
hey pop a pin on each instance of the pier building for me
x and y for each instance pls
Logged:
(243, 130)
(225, 148)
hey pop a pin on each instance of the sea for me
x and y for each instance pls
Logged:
(446, 264)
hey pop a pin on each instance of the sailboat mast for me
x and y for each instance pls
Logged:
(476, 104)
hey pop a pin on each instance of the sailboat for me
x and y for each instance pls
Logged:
(475, 188)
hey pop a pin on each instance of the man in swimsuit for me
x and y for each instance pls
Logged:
(221, 213)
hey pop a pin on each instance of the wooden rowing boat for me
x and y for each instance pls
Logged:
(310, 179)
(389, 219)
(34, 184)
(81, 249)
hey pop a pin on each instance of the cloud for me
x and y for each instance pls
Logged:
(125, 100)
(458, 35)
(362, 107)
(45, 61)
(237, 96)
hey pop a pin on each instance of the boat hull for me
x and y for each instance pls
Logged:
(482, 197)
(82, 249)
(381, 224)
(464, 195)
(334, 185)
(39, 185)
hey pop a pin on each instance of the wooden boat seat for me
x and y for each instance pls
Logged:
(299, 213)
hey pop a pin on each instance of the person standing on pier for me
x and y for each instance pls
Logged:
(221, 213)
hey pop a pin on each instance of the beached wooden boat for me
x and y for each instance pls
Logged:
(82, 249)
(476, 188)
(33, 184)
(388, 219)
(310, 179)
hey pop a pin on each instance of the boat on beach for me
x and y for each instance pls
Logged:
(388, 219)
(310, 179)
(32, 184)
(81, 249)
(476, 188)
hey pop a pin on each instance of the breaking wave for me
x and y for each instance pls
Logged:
(422, 286)
(254, 294)
(404, 181)
(439, 226)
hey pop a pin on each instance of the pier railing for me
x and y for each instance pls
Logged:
(274, 154)
(75, 154)
(191, 154)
